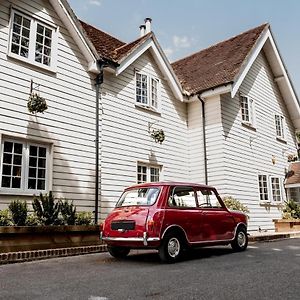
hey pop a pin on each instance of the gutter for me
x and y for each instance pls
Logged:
(204, 139)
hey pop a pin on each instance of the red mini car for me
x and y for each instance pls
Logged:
(170, 217)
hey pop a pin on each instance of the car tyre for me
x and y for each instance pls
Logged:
(240, 241)
(118, 252)
(171, 248)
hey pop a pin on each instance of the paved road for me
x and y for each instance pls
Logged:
(265, 271)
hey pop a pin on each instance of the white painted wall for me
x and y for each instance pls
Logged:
(125, 133)
(68, 124)
(248, 152)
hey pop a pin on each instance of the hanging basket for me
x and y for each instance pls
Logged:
(158, 135)
(36, 104)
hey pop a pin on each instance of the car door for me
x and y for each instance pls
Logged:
(182, 210)
(217, 222)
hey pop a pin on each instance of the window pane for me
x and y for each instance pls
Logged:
(32, 162)
(6, 170)
(7, 158)
(43, 45)
(42, 152)
(8, 147)
(15, 49)
(26, 23)
(42, 173)
(17, 171)
(32, 184)
(41, 185)
(6, 182)
(42, 163)
(33, 151)
(17, 29)
(18, 19)
(16, 182)
(32, 172)
(182, 197)
(18, 160)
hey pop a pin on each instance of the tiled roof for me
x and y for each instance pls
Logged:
(109, 47)
(293, 175)
(104, 43)
(218, 64)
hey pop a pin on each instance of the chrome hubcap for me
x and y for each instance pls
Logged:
(173, 247)
(241, 239)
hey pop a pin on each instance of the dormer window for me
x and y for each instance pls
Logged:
(32, 41)
(147, 91)
(247, 110)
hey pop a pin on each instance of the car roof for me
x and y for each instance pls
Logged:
(169, 183)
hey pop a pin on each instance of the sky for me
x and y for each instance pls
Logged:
(183, 27)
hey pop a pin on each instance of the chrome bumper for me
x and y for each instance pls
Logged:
(143, 239)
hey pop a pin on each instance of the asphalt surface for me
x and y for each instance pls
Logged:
(265, 271)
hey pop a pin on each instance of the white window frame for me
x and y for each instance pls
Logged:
(270, 190)
(23, 190)
(251, 111)
(32, 41)
(281, 128)
(148, 167)
(150, 101)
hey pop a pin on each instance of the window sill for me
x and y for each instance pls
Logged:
(270, 203)
(20, 193)
(32, 63)
(279, 139)
(249, 126)
(148, 108)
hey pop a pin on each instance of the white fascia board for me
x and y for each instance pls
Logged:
(149, 44)
(76, 34)
(251, 60)
(217, 91)
(290, 186)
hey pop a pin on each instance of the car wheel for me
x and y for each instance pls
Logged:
(240, 241)
(171, 248)
(118, 252)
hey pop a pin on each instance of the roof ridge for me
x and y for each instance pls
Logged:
(134, 41)
(218, 43)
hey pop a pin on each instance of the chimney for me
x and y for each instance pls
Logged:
(142, 30)
(148, 25)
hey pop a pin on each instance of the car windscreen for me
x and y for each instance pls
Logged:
(139, 197)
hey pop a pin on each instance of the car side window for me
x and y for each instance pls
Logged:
(182, 196)
(208, 199)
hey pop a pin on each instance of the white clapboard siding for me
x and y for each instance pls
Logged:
(249, 152)
(125, 136)
(69, 122)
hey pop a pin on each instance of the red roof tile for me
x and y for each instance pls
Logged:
(218, 64)
(293, 175)
(104, 43)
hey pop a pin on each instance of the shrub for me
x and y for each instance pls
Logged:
(291, 210)
(234, 204)
(33, 220)
(19, 212)
(68, 212)
(5, 218)
(47, 209)
(84, 218)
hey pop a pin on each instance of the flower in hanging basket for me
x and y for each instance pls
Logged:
(158, 135)
(36, 104)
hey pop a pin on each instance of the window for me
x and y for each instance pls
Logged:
(247, 110)
(24, 166)
(32, 40)
(263, 188)
(147, 173)
(147, 90)
(208, 199)
(270, 189)
(276, 189)
(279, 121)
(182, 197)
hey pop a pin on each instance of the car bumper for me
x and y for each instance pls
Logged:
(145, 240)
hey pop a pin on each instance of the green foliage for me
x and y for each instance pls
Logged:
(84, 218)
(234, 204)
(19, 212)
(36, 104)
(68, 211)
(5, 218)
(291, 210)
(47, 209)
(33, 220)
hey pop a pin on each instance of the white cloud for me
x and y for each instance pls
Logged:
(95, 2)
(182, 41)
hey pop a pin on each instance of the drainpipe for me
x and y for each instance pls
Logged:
(99, 81)
(204, 139)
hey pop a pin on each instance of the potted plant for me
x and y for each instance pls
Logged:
(36, 103)
(158, 135)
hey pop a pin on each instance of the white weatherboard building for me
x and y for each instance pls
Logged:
(229, 113)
